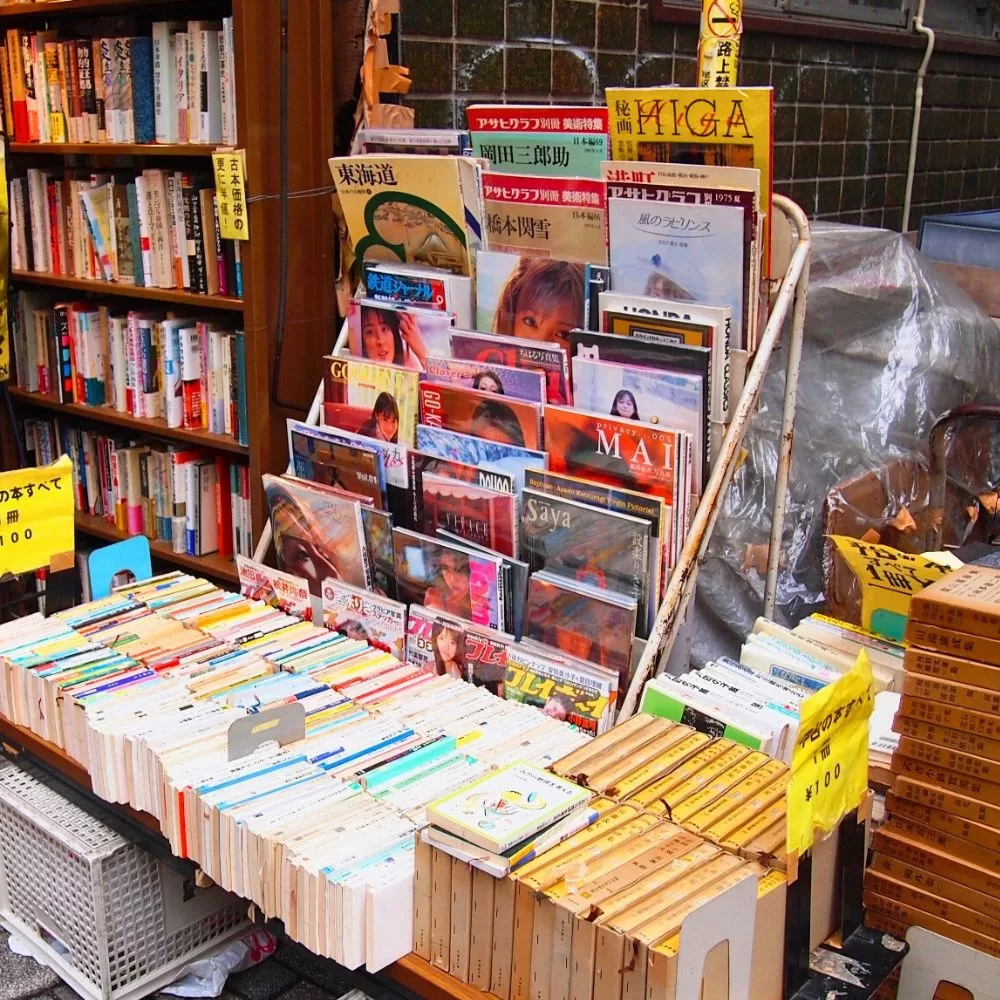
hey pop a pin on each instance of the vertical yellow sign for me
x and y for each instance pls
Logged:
(4, 267)
(36, 517)
(719, 45)
(230, 193)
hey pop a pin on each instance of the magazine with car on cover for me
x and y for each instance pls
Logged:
(504, 380)
(360, 614)
(395, 334)
(481, 414)
(486, 517)
(372, 399)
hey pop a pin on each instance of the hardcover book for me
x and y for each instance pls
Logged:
(377, 400)
(504, 380)
(420, 462)
(481, 414)
(483, 516)
(362, 615)
(395, 334)
(279, 590)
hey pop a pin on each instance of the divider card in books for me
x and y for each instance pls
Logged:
(504, 380)
(447, 578)
(421, 286)
(658, 397)
(481, 414)
(411, 209)
(362, 615)
(317, 533)
(693, 253)
(579, 542)
(700, 126)
(483, 516)
(354, 468)
(375, 400)
(543, 140)
(561, 217)
(395, 334)
(280, 590)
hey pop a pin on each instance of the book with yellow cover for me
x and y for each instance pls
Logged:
(728, 126)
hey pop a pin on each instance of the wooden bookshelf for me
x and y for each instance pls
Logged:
(172, 295)
(106, 149)
(145, 425)
(215, 566)
(50, 8)
(430, 982)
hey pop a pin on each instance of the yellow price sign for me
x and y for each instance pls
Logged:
(830, 761)
(888, 580)
(36, 517)
(231, 195)
(719, 45)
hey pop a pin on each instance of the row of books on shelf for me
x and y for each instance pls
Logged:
(196, 502)
(157, 229)
(175, 85)
(148, 689)
(188, 373)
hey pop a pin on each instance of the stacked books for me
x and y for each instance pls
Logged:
(157, 229)
(176, 85)
(937, 856)
(674, 820)
(197, 502)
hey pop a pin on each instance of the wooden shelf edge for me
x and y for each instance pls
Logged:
(178, 296)
(46, 8)
(430, 982)
(114, 148)
(143, 425)
(215, 566)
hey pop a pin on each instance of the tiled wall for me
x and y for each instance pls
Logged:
(844, 110)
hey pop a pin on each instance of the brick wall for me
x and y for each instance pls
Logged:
(843, 109)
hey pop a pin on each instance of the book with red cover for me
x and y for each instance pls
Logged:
(482, 414)
(364, 397)
(486, 517)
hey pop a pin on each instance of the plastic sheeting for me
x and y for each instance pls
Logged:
(890, 344)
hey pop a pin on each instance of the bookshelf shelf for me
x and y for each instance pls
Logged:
(47, 8)
(172, 295)
(145, 425)
(113, 148)
(215, 566)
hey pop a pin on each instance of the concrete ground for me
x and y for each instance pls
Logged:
(292, 973)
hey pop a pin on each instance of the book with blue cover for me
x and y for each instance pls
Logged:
(143, 107)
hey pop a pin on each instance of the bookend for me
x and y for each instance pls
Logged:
(281, 724)
(855, 968)
(933, 959)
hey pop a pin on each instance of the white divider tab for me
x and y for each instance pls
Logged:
(281, 724)
(933, 959)
(729, 917)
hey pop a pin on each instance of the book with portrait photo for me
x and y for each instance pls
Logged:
(481, 414)
(359, 614)
(426, 287)
(372, 399)
(396, 334)
(503, 380)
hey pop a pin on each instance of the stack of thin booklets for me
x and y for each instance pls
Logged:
(937, 857)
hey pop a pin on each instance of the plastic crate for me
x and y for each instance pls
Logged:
(110, 918)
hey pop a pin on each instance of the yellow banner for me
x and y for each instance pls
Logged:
(230, 193)
(719, 45)
(4, 268)
(830, 761)
(888, 580)
(36, 517)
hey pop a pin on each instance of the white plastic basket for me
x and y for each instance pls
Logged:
(110, 918)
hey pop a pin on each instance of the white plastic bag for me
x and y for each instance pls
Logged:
(206, 977)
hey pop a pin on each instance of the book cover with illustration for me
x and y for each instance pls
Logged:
(378, 542)
(411, 209)
(446, 644)
(376, 400)
(540, 139)
(447, 578)
(483, 516)
(507, 806)
(317, 533)
(481, 414)
(277, 589)
(420, 462)
(421, 286)
(575, 541)
(359, 614)
(547, 357)
(561, 217)
(351, 467)
(504, 458)
(584, 621)
(654, 396)
(692, 253)
(393, 334)
(504, 380)
(697, 126)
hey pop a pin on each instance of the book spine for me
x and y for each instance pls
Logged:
(223, 507)
(41, 78)
(206, 374)
(19, 108)
(228, 382)
(50, 199)
(239, 348)
(238, 267)
(220, 257)
(31, 104)
(211, 102)
(145, 237)
(8, 94)
(164, 77)
(71, 71)
(143, 103)
(194, 81)
(198, 239)
(180, 86)
(88, 96)
(224, 71)
(191, 376)
(192, 505)
(57, 118)
(108, 70)
(135, 235)
(178, 479)
(100, 98)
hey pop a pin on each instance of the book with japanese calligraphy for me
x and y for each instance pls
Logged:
(540, 139)
(702, 126)
(428, 287)
(280, 590)
(376, 400)
(488, 415)
(561, 217)
(360, 614)
(411, 209)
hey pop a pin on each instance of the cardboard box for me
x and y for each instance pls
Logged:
(976, 699)
(897, 845)
(950, 667)
(936, 639)
(964, 739)
(967, 600)
(987, 837)
(947, 800)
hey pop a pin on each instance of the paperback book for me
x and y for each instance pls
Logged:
(375, 400)
(425, 141)
(421, 286)
(394, 334)
(360, 614)
(481, 414)
(280, 590)
(503, 380)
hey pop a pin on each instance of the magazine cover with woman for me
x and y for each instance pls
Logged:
(375, 400)
(392, 334)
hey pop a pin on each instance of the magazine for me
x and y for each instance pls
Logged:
(411, 209)
(575, 541)
(481, 414)
(376, 400)
(378, 542)
(541, 139)
(469, 450)
(421, 462)
(448, 578)
(425, 141)
(549, 358)
(279, 590)
(504, 380)
(320, 459)
(394, 334)
(362, 615)
(486, 517)
(561, 217)
(588, 623)
(421, 286)
(317, 533)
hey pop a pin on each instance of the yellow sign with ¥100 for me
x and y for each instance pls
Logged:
(830, 760)
(719, 45)
(230, 194)
(888, 580)
(36, 517)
